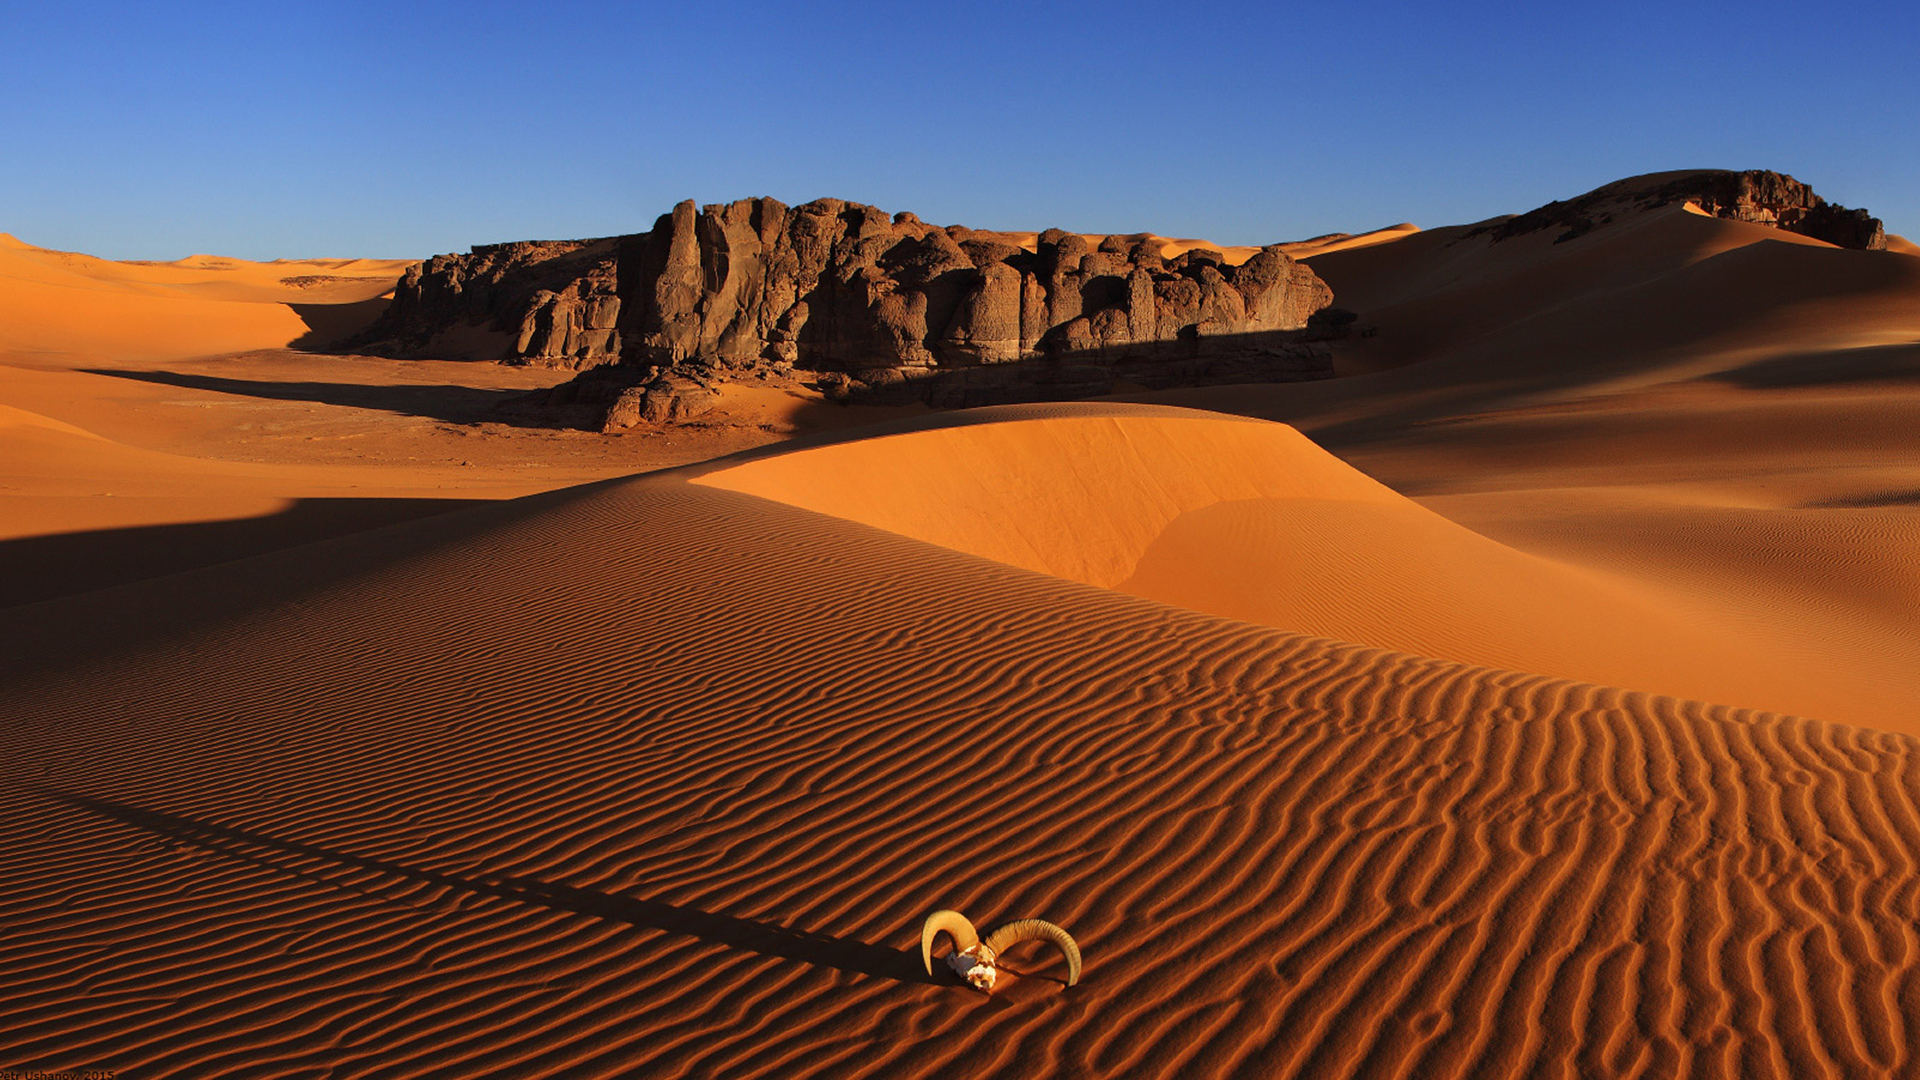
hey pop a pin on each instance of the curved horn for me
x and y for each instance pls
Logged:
(1037, 930)
(954, 925)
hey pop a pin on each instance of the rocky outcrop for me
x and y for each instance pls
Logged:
(552, 303)
(614, 397)
(837, 286)
(1771, 198)
(891, 307)
(1757, 196)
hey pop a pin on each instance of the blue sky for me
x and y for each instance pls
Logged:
(157, 131)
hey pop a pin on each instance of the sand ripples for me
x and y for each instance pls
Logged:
(659, 779)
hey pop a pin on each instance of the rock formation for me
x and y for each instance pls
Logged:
(836, 286)
(1757, 196)
(873, 306)
(1771, 198)
(551, 303)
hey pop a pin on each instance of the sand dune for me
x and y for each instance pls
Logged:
(64, 303)
(151, 420)
(1326, 245)
(1253, 522)
(1718, 412)
(1667, 281)
(656, 777)
(346, 732)
(1166, 246)
(1169, 246)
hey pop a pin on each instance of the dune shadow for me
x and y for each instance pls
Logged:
(1874, 501)
(330, 324)
(751, 935)
(444, 402)
(50, 641)
(37, 568)
(1869, 364)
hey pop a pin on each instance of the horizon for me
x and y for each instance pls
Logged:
(356, 132)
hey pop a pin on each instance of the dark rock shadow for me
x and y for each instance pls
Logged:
(1192, 359)
(39, 568)
(330, 324)
(591, 400)
(447, 403)
(273, 853)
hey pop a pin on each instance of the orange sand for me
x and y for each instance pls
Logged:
(1446, 727)
(1235, 254)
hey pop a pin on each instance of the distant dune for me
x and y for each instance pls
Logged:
(1533, 700)
(63, 303)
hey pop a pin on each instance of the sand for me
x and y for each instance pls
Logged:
(160, 416)
(1532, 702)
(1170, 246)
(1251, 521)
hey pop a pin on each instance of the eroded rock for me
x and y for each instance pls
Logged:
(896, 306)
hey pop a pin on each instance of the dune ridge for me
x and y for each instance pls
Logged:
(1250, 520)
(463, 807)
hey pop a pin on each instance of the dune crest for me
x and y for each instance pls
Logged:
(1251, 521)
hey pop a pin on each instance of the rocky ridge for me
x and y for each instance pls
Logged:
(1759, 196)
(866, 305)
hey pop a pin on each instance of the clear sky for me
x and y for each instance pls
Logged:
(142, 130)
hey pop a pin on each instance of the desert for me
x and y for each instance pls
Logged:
(771, 638)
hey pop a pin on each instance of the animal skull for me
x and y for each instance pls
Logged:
(976, 961)
(975, 966)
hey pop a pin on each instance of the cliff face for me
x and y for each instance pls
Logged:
(886, 306)
(1757, 195)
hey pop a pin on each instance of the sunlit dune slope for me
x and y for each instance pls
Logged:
(1324, 245)
(657, 778)
(1251, 521)
(66, 303)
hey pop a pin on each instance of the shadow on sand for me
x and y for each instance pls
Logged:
(443, 402)
(292, 857)
(329, 324)
(1874, 501)
(39, 568)
(1868, 364)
